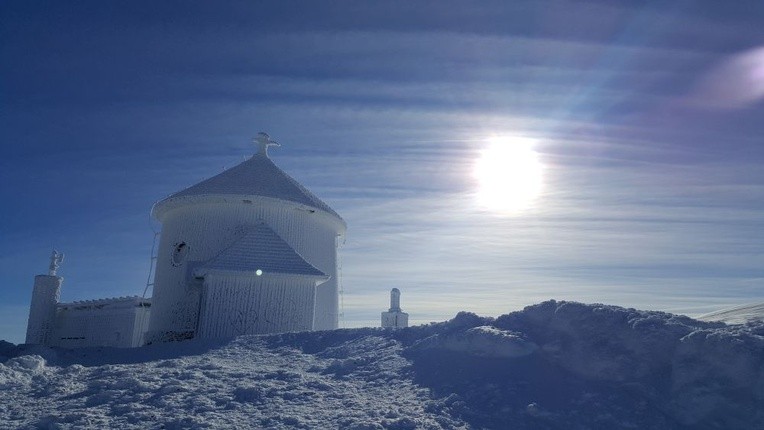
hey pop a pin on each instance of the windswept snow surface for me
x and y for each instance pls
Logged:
(555, 365)
(737, 315)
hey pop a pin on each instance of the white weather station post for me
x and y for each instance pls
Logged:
(395, 317)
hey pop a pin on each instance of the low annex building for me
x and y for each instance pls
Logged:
(248, 251)
(118, 322)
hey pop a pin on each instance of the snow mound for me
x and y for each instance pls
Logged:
(603, 342)
(737, 315)
(555, 365)
(31, 363)
(20, 371)
(485, 341)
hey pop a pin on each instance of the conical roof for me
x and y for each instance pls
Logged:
(261, 249)
(257, 176)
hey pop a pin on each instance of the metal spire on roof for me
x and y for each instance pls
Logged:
(263, 141)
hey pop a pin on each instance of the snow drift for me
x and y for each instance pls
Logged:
(555, 365)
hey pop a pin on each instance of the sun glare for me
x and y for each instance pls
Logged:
(508, 174)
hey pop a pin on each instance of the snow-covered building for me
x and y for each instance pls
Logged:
(248, 251)
(117, 322)
(395, 317)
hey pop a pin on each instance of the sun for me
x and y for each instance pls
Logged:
(509, 175)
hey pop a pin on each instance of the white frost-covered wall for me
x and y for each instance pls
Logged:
(207, 228)
(119, 322)
(247, 251)
(235, 305)
(201, 222)
(42, 312)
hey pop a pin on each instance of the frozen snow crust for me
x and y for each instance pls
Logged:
(555, 365)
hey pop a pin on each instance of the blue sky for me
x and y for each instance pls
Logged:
(646, 118)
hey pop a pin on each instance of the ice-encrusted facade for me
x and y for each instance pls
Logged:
(247, 251)
(42, 311)
(118, 322)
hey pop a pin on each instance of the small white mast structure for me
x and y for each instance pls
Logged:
(395, 317)
(56, 258)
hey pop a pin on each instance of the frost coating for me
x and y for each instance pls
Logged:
(56, 259)
(485, 341)
(658, 371)
(116, 322)
(248, 251)
(258, 245)
(42, 312)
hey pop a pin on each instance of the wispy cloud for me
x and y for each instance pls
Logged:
(649, 235)
(647, 201)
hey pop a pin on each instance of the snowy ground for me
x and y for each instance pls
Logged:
(555, 365)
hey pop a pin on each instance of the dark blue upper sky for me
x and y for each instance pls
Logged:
(647, 118)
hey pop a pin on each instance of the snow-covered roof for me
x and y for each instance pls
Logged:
(261, 249)
(257, 176)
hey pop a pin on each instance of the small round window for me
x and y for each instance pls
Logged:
(179, 253)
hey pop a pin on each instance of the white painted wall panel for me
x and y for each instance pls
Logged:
(208, 225)
(234, 306)
(115, 324)
(395, 319)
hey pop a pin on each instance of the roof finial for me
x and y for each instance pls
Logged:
(263, 141)
(56, 258)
